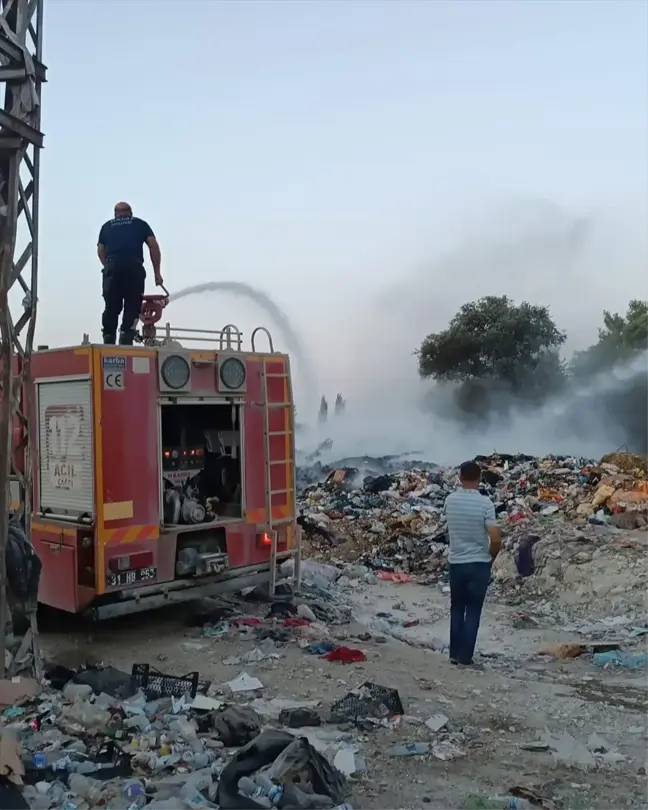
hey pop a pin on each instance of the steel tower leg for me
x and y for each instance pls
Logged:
(22, 74)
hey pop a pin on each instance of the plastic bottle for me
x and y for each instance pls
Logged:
(138, 721)
(205, 759)
(84, 767)
(135, 793)
(39, 760)
(263, 781)
(63, 764)
(410, 750)
(248, 787)
(77, 691)
(260, 787)
(199, 780)
(85, 788)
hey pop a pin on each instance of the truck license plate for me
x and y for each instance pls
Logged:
(131, 577)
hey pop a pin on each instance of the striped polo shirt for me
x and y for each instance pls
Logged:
(469, 513)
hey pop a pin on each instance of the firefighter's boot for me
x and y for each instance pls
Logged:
(109, 340)
(126, 337)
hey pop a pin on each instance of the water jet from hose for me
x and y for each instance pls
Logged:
(278, 316)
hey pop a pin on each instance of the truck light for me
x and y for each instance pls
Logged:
(265, 539)
(175, 372)
(232, 373)
(128, 562)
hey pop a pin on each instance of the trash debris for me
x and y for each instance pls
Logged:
(153, 683)
(409, 750)
(234, 725)
(569, 751)
(287, 759)
(367, 701)
(346, 655)
(436, 722)
(299, 718)
(562, 652)
(11, 766)
(527, 796)
(13, 692)
(617, 658)
(347, 761)
(508, 802)
(245, 683)
(83, 750)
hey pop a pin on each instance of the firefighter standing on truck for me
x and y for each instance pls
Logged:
(120, 250)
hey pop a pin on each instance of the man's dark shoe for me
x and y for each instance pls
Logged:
(109, 340)
(473, 665)
(127, 337)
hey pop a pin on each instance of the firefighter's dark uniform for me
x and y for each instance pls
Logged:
(123, 275)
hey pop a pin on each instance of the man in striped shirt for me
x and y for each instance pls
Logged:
(475, 541)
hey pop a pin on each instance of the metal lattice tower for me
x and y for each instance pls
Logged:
(22, 74)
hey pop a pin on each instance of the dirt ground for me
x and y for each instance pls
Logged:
(493, 713)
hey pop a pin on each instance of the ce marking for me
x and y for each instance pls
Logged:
(114, 380)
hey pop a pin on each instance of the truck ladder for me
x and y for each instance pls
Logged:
(290, 490)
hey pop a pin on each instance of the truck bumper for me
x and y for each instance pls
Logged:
(177, 592)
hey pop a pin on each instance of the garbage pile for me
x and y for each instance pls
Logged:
(107, 739)
(388, 521)
(388, 513)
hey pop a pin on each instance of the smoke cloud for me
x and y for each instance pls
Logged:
(576, 265)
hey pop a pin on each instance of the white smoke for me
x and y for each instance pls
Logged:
(534, 252)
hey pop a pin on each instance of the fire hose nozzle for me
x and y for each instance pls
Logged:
(153, 307)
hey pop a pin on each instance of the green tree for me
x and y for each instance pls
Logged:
(619, 339)
(494, 340)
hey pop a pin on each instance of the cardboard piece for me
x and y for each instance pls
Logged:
(16, 690)
(11, 765)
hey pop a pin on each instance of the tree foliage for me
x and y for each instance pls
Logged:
(494, 339)
(625, 406)
(503, 355)
(619, 339)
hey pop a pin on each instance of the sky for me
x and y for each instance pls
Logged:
(371, 165)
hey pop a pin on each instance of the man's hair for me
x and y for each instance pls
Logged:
(123, 207)
(470, 471)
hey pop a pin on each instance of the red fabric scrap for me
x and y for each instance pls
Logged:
(295, 622)
(394, 576)
(346, 655)
(247, 621)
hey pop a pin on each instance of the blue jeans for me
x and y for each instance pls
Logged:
(468, 586)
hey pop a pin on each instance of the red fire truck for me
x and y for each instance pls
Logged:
(160, 473)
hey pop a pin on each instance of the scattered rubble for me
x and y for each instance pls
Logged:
(84, 747)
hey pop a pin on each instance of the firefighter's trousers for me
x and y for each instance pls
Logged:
(123, 288)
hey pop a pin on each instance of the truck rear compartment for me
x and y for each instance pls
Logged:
(166, 497)
(201, 463)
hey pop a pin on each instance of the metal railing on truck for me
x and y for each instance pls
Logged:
(229, 338)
